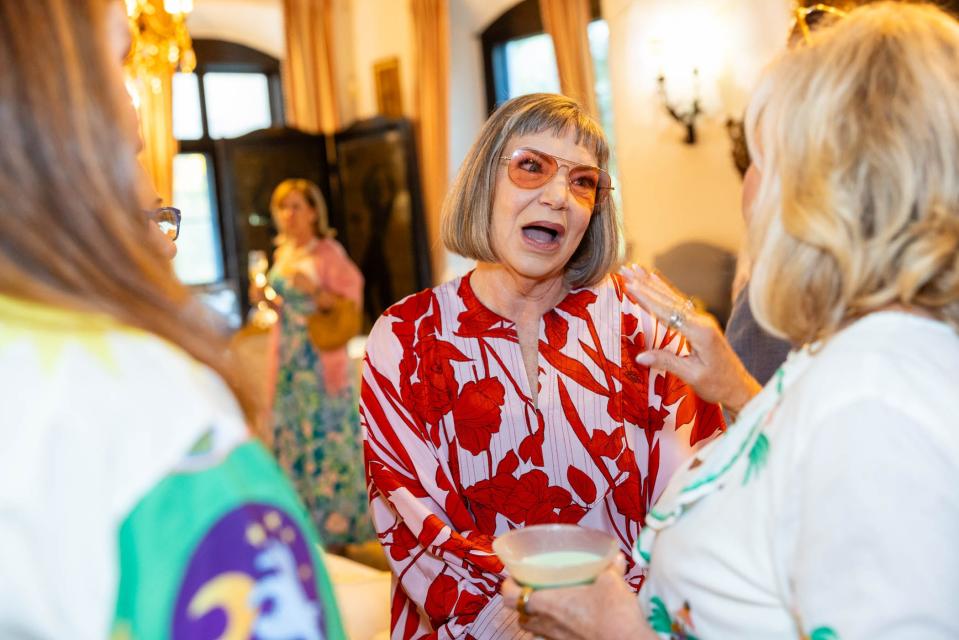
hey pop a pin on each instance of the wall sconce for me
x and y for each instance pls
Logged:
(685, 116)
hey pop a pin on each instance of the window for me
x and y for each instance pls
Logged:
(199, 257)
(233, 91)
(530, 66)
(520, 59)
(236, 103)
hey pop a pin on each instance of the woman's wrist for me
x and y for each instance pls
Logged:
(746, 390)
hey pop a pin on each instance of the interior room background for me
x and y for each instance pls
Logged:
(670, 193)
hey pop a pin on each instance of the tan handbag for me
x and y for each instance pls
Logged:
(333, 327)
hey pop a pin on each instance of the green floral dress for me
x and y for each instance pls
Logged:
(316, 435)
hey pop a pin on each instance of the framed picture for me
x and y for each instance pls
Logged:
(389, 96)
(380, 200)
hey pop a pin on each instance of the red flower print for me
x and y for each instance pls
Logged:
(479, 322)
(534, 501)
(575, 304)
(413, 308)
(489, 497)
(708, 417)
(636, 395)
(441, 598)
(468, 606)
(508, 464)
(455, 447)
(435, 391)
(709, 420)
(476, 544)
(403, 542)
(477, 414)
(628, 498)
(571, 514)
(582, 484)
(573, 369)
(614, 407)
(630, 324)
(531, 448)
(606, 445)
(529, 499)
(557, 329)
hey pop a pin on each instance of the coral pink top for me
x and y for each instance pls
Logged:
(458, 451)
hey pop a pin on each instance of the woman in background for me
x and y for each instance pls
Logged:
(133, 503)
(316, 428)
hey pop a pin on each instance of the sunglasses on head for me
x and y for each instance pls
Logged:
(530, 169)
(807, 18)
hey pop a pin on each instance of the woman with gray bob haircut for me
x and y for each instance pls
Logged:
(510, 397)
(829, 509)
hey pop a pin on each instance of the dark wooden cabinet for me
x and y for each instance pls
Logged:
(370, 178)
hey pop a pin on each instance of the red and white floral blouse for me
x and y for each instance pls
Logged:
(458, 450)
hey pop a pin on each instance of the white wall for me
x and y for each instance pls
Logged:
(255, 23)
(381, 29)
(673, 192)
(468, 19)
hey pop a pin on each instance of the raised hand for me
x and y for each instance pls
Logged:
(712, 368)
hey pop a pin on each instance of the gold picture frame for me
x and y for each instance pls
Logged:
(386, 78)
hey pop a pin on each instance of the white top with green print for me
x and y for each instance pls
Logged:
(830, 509)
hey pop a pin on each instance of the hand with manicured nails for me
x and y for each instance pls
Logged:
(712, 368)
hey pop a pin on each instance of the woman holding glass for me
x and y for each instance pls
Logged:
(510, 397)
(829, 509)
(316, 430)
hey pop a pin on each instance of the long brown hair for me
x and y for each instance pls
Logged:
(72, 234)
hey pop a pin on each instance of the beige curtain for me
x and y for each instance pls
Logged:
(156, 126)
(309, 73)
(431, 74)
(566, 21)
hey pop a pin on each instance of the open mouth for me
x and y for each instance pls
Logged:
(543, 233)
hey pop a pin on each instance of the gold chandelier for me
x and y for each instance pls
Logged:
(161, 42)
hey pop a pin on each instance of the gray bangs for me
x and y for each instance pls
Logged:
(540, 112)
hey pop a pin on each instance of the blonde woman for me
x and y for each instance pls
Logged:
(133, 502)
(316, 426)
(829, 509)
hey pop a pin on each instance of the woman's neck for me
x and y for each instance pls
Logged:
(515, 297)
(290, 244)
(299, 243)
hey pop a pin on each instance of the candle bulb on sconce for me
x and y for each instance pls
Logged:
(686, 117)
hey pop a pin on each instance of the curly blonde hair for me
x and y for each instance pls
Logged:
(856, 135)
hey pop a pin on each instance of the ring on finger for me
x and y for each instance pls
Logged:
(523, 602)
(677, 319)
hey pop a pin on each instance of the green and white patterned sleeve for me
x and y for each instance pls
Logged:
(222, 547)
